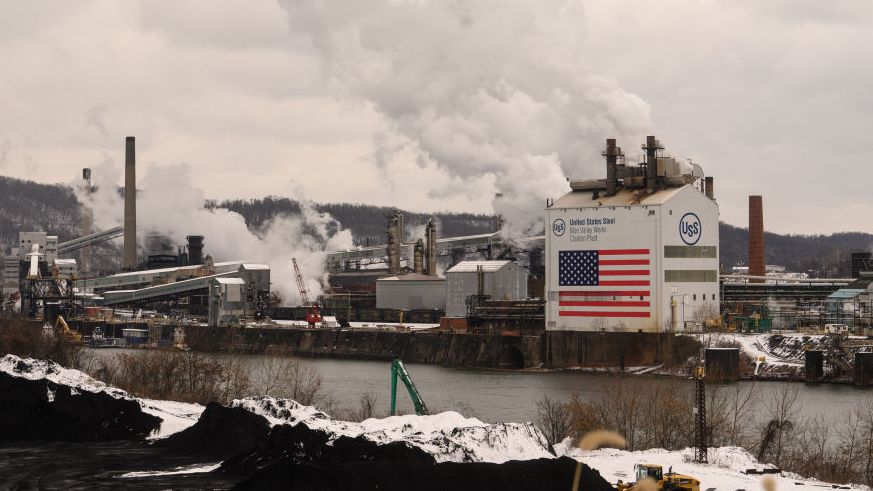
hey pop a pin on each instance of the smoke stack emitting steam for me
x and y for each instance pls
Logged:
(170, 204)
(130, 261)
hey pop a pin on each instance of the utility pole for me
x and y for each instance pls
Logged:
(700, 446)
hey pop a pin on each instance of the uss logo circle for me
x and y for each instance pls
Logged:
(690, 228)
(559, 227)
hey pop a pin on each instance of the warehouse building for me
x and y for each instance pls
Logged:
(412, 291)
(496, 280)
(637, 251)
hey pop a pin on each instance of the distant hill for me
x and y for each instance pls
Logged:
(367, 223)
(819, 255)
(26, 205)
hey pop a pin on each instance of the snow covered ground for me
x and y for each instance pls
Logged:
(777, 349)
(725, 470)
(175, 416)
(448, 436)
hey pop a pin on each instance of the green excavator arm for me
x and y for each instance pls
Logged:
(399, 371)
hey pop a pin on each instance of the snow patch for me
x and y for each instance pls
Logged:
(32, 369)
(175, 416)
(194, 469)
(448, 436)
(725, 470)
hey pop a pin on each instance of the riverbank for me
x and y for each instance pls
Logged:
(549, 350)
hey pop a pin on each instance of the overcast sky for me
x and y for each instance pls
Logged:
(439, 106)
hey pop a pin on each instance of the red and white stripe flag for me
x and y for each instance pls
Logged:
(605, 283)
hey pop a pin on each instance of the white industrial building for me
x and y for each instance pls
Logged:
(48, 246)
(67, 269)
(412, 291)
(500, 280)
(637, 251)
(9, 275)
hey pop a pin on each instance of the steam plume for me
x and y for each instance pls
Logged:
(492, 91)
(170, 204)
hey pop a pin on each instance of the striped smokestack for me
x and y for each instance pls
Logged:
(756, 237)
(130, 203)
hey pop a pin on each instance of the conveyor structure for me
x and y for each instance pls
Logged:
(152, 293)
(91, 239)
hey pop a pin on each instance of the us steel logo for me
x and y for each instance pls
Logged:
(690, 228)
(559, 227)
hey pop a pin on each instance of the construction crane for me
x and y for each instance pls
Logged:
(313, 316)
(398, 370)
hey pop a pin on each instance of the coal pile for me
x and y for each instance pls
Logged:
(220, 433)
(291, 445)
(41, 409)
(61, 428)
(534, 475)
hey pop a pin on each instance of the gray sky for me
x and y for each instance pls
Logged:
(437, 106)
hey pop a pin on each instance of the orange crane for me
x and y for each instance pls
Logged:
(313, 316)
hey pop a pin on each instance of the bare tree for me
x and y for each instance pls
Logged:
(779, 428)
(366, 407)
(553, 419)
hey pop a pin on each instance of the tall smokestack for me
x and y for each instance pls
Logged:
(394, 243)
(756, 237)
(612, 152)
(651, 147)
(418, 261)
(87, 219)
(130, 204)
(430, 266)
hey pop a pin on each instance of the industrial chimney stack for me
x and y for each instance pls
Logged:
(130, 261)
(418, 259)
(612, 154)
(394, 242)
(430, 266)
(756, 238)
(651, 147)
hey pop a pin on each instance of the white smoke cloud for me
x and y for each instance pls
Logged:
(494, 92)
(170, 204)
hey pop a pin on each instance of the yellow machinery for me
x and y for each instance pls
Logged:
(65, 331)
(669, 481)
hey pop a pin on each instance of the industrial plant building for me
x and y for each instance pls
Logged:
(492, 280)
(637, 251)
(413, 291)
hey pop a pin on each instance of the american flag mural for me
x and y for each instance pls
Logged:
(605, 283)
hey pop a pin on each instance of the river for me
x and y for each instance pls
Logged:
(493, 395)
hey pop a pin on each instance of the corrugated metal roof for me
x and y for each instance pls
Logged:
(412, 277)
(230, 281)
(624, 197)
(473, 266)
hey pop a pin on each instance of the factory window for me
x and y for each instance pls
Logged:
(671, 212)
(694, 297)
(692, 252)
(690, 275)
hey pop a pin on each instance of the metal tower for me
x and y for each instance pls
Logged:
(700, 447)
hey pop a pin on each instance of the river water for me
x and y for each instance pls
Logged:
(511, 396)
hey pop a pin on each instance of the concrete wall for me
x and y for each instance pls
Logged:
(550, 350)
